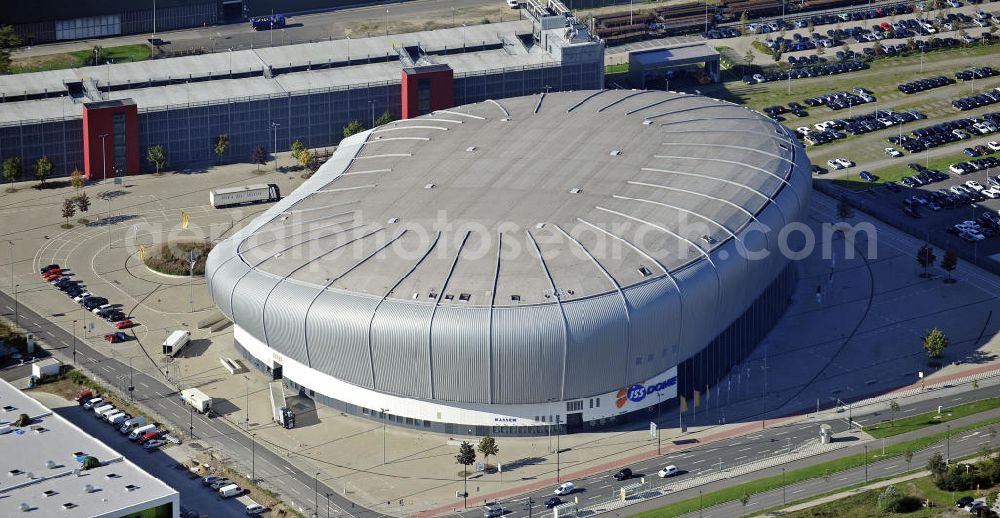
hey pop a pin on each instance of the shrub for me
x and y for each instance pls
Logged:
(22, 420)
(90, 462)
(172, 258)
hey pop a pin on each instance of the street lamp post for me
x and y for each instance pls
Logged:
(701, 504)
(382, 415)
(316, 502)
(783, 486)
(387, 21)
(16, 320)
(948, 445)
(131, 385)
(74, 342)
(253, 458)
(371, 104)
(247, 416)
(11, 245)
(558, 450)
(274, 128)
(866, 463)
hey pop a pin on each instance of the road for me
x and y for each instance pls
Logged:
(295, 487)
(725, 454)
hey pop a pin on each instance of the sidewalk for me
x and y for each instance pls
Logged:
(844, 494)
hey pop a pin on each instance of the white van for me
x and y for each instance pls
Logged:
(111, 417)
(230, 491)
(93, 401)
(131, 424)
(119, 419)
(140, 431)
(99, 410)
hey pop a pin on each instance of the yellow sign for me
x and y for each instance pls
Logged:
(697, 398)
(184, 220)
(142, 252)
(684, 404)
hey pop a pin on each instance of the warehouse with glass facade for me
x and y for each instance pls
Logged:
(274, 96)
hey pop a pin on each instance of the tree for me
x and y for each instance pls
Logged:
(744, 18)
(90, 462)
(749, 57)
(488, 447)
(385, 118)
(43, 169)
(935, 342)
(844, 209)
(937, 466)
(77, 180)
(82, 202)
(297, 147)
(12, 170)
(22, 420)
(8, 40)
(259, 156)
(826, 475)
(221, 146)
(993, 434)
(68, 209)
(925, 258)
(991, 498)
(466, 456)
(893, 408)
(908, 457)
(304, 157)
(157, 157)
(745, 499)
(353, 127)
(948, 263)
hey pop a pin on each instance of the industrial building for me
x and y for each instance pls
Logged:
(102, 119)
(569, 259)
(45, 476)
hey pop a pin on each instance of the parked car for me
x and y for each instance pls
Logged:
(116, 337)
(255, 509)
(153, 444)
(125, 324)
(552, 502)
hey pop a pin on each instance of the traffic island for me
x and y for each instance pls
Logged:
(175, 257)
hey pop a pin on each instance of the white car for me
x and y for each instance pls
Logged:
(994, 145)
(513, 4)
(566, 488)
(992, 194)
(957, 169)
(974, 185)
(834, 164)
(80, 297)
(823, 126)
(803, 130)
(255, 509)
(960, 134)
(668, 471)
(893, 152)
(958, 189)
(844, 162)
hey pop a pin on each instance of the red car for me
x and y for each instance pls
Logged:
(52, 275)
(125, 324)
(148, 437)
(116, 337)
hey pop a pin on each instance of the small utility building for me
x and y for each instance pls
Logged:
(656, 62)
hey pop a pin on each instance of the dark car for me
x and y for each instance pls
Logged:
(964, 501)
(552, 502)
(45, 269)
(623, 474)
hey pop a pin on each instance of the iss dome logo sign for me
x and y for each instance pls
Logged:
(638, 392)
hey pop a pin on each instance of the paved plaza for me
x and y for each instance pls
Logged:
(859, 337)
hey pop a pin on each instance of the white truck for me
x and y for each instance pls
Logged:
(47, 367)
(244, 195)
(140, 431)
(280, 412)
(176, 341)
(199, 400)
(132, 424)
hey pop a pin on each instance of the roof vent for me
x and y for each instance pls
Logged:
(575, 190)
(49, 492)
(393, 220)
(506, 119)
(647, 122)
(645, 271)
(51, 464)
(515, 298)
(112, 475)
(14, 472)
(131, 487)
(24, 507)
(449, 297)
(432, 295)
(88, 488)
(415, 295)
(429, 186)
(540, 225)
(8, 408)
(708, 239)
(470, 148)
(69, 505)
(464, 297)
(616, 152)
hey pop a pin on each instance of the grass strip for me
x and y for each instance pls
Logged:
(810, 472)
(916, 422)
(80, 58)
